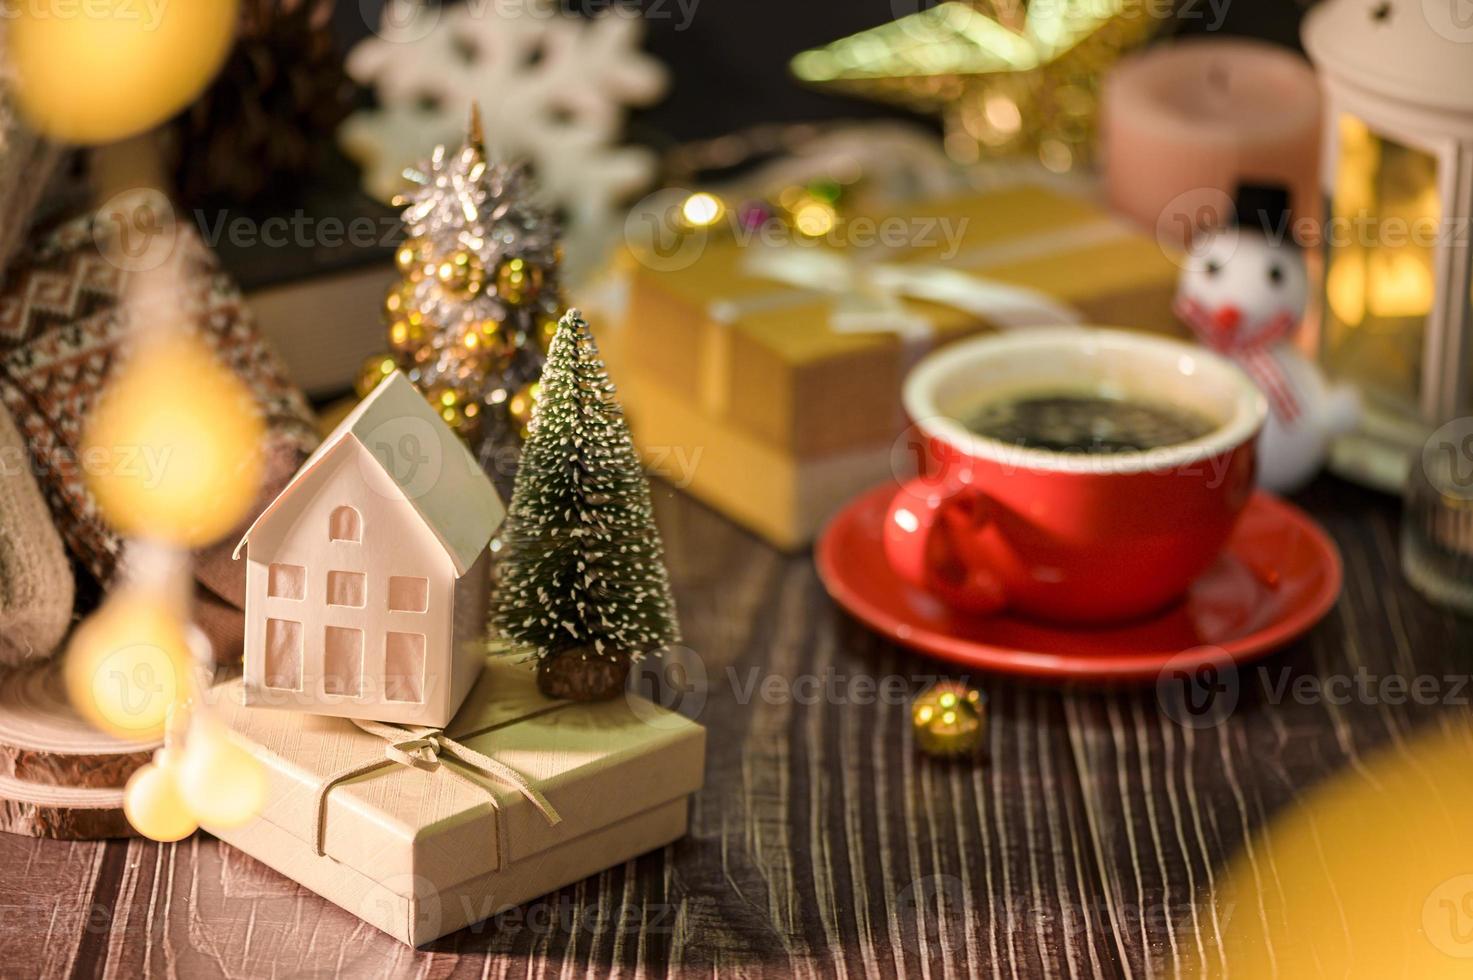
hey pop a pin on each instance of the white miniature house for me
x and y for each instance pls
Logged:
(367, 576)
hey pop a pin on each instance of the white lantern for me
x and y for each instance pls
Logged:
(1398, 178)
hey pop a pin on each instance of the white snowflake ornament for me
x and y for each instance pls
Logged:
(553, 90)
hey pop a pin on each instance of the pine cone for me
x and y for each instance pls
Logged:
(278, 98)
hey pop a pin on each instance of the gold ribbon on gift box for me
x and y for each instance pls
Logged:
(869, 296)
(428, 749)
(803, 345)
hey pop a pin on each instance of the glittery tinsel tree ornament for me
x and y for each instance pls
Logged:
(478, 300)
(582, 579)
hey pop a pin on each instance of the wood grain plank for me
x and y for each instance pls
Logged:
(1171, 802)
(1087, 843)
(49, 903)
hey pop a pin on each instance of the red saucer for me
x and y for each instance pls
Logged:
(1278, 577)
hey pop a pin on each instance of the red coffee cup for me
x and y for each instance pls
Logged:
(1070, 536)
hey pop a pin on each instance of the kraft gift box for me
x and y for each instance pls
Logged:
(420, 835)
(746, 391)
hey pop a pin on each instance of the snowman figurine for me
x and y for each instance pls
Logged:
(1243, 292)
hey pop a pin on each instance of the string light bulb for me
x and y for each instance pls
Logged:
(152, 801)
(702, 210)
(176, 437)
(143, 63)
(125, 667)
(222, 784)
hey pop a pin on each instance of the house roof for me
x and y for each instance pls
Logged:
(424, 458)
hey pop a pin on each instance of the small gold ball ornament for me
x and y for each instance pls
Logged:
(950, 720)
(461, 275)
(400, 303)
(411, 258)
(486, 337)
(517, 281)
(458, 408)
(406, 336)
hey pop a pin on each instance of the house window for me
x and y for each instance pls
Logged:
(286, 581)
(404, 667)
(345, 589)
(408, 594)
(283, 655)
(342, 661)
(345, 525)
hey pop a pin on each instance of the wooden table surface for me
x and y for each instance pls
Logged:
(1087, 844)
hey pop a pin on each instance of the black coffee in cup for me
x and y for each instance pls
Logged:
(1065, 422)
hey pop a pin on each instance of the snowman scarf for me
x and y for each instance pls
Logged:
(1254, 354)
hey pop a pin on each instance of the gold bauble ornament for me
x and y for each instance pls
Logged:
(949, 720)
(458, 408)
(484, 338)
(174, 445)
(374, 370)
(407, 336)
(411, 258)
(461, 274)
(152, 801)
(517, 281)
(125, 666)
(520, 406)
(400, 303)
(108, 69)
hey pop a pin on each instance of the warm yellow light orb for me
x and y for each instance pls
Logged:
(125, 666)
(814, 219)
(107, 69)
(701, 210)
(172, 451)
(222, 784)
(152, 804)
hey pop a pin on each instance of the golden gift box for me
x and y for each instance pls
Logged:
(745, 354)
(420, 833)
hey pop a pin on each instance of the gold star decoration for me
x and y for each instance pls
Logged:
(1008, 77)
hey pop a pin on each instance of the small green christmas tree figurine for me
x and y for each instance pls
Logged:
(582, 580)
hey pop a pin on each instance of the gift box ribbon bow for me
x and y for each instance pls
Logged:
(428, 749)
(869, 296)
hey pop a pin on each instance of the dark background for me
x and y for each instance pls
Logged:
(729, 59)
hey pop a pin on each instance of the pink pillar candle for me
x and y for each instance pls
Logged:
(1183, 124)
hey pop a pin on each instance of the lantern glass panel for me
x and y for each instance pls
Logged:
(1379, 281)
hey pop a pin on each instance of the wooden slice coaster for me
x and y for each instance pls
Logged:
(61, 812)
(44, 742)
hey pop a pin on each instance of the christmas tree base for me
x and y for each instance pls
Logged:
(576, 675)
